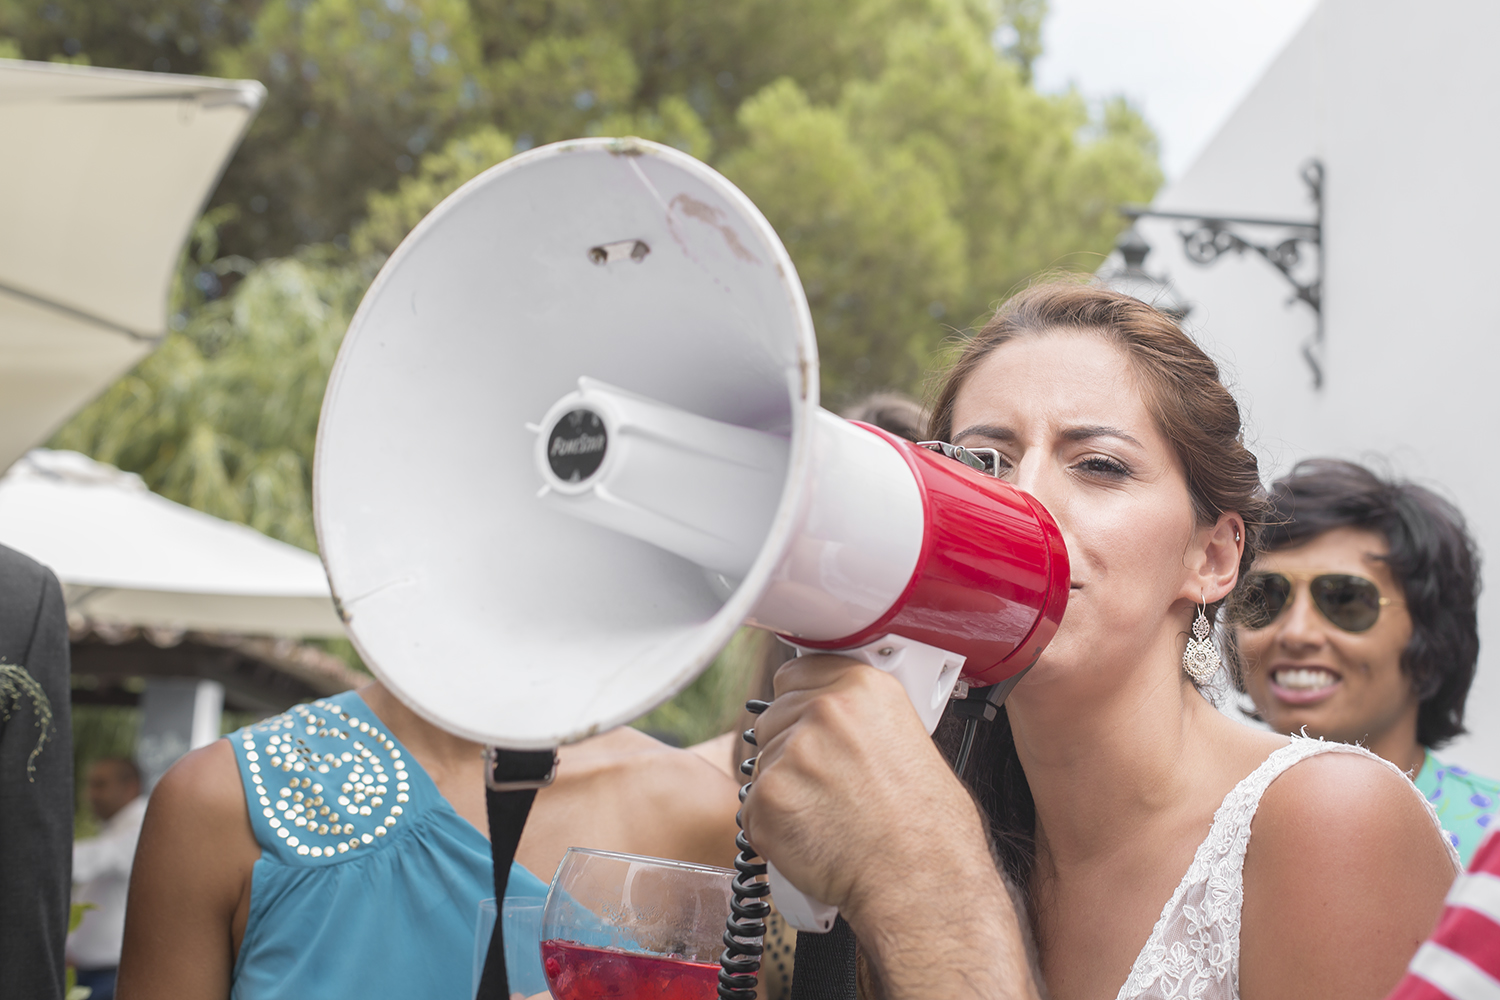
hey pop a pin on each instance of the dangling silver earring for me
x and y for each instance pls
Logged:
(1200, 660)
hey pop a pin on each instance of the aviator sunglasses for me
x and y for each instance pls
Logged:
(1350, 602)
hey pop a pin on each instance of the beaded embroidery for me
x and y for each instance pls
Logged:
(324, 802)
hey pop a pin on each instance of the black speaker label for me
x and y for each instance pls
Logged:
(575, 448)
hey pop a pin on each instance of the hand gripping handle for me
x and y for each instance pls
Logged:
(928, 674)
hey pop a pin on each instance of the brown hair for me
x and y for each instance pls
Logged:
(1193, 410)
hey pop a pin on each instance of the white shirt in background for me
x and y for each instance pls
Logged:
(101, 876)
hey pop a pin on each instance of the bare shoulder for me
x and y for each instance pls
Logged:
(1344, 876)
(685, 803)
(722, 751)
(204, 787)
(1349, 801)
(679, 781)
(189, 886)
(196, 818)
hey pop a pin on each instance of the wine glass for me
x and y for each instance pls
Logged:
(621, 925)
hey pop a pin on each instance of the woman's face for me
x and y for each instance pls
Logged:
(1073, 430)
(1303, 670)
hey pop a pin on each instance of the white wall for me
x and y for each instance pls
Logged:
(1402, 104)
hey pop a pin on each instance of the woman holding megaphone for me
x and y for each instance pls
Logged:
(1162, 849)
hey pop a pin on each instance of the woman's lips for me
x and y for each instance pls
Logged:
(1303, 685)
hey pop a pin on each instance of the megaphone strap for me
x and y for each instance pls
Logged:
(511, 780)
(824, 967)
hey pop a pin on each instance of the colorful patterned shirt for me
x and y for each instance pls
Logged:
(1466, 804)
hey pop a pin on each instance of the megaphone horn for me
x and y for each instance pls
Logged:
(572, 441)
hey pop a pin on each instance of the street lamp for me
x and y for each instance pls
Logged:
(1134, 280)
(1210, 236)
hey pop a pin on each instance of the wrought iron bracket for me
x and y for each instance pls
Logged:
(1214, 235)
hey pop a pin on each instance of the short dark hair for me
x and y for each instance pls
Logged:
(890, 411)
(1431, 556)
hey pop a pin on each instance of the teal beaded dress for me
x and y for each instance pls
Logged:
(369, 883)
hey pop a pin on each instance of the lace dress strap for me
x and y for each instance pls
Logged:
(1193, 952)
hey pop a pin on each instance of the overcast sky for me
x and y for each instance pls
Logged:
(1184, 63)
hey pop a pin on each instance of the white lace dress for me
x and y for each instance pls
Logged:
(1193, 952)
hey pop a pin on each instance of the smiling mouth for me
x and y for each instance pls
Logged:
(1303, 685)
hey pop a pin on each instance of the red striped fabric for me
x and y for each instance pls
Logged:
(1461, 961)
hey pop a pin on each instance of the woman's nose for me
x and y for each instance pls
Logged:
(1030, 475)
(1033, 477)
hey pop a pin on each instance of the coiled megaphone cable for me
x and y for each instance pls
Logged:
(745, 930)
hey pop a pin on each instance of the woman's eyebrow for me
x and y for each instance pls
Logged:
(995, 432)
(1097, 431)
(991, 431)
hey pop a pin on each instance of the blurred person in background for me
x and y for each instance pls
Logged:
(101, 871)
(891, 411)
(36, 780)
(1358, 624)
(342, 847)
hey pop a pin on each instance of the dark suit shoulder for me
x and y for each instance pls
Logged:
(19, 569)
(23, 583)
(26, 588)
(36, 782)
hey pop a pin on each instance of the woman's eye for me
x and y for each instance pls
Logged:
(1100, 466)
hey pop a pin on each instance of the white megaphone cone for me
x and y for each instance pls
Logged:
(572, 442)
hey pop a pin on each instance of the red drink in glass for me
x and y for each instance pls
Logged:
(581, 972)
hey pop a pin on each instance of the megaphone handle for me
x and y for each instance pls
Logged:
(928, 674)
(800, 910)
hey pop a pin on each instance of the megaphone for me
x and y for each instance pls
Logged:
(572, 442)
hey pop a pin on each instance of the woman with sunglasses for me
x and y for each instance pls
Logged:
(1159, 848)
(1358, 624)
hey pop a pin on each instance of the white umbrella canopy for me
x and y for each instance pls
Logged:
(126, 555)
(103, 174)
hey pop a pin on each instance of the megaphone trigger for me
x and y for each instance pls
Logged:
(928, 673)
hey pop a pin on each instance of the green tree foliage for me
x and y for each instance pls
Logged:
(929, 191)
(912, 170)
(166, 36)
(360, 89)
(1018, 36)
(224, 415)
(357, 90)
(868, 228)
(395, 213)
